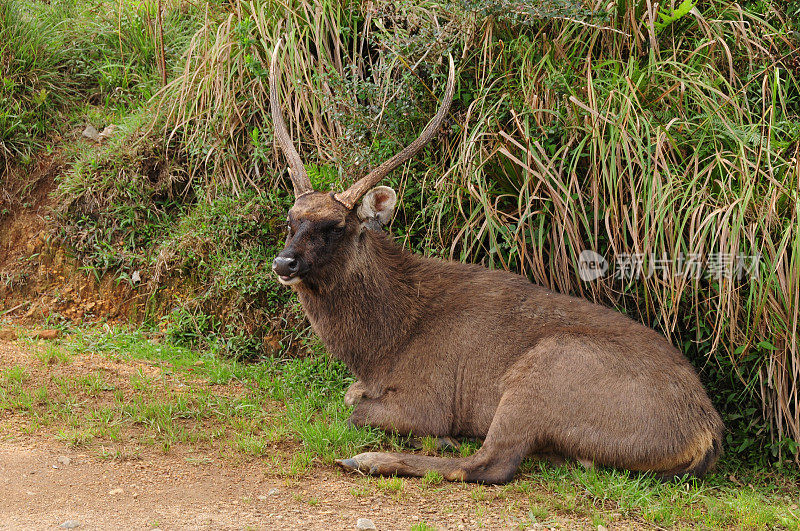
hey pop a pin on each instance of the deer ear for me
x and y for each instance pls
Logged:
(378, 204)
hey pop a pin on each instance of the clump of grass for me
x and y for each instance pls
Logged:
(53, 355)
(93, 384)
(76, 437)
(251, 445)
(390, 484)
(118, 200)
(57, 54)
(33, 82)
(223, 248)
(432, 478)
(14, 375)
(607, 495)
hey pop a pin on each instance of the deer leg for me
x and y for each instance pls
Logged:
(496, 461)
(484, 466)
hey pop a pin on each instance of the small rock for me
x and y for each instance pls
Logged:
(8, 335)
(70, 524)
(45, 334)
(365, 524)
(64, 460)
(116, 491)
(273, 492)
(91, 133)
(262, 497)
(601, 528)
(107, 132)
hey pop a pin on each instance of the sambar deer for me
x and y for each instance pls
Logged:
(445, 349)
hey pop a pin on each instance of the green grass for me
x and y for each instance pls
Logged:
(178, 403)
(607, 496)
(57, 55)
(53, 355)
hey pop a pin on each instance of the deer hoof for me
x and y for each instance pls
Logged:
(354, 394)
(371, 463)
(351, 465)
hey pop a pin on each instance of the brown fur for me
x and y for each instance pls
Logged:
(447, 349)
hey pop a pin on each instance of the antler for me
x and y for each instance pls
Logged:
(300, 180)
(350, 196)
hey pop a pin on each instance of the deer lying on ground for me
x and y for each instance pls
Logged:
(445, 349)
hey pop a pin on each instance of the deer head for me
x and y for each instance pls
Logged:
(324, 226)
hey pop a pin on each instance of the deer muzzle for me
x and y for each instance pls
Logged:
(288, 269)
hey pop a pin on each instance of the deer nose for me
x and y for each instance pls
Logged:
(285, 266)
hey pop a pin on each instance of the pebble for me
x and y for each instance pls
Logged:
(364, 524)
(70, 524)
(116, 491)
(45, 334)
(91, 133)
(64, 460)
(273, 492)
(107, 132)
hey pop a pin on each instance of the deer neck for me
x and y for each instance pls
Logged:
(369, 310)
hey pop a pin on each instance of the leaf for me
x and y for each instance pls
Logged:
(681, 11)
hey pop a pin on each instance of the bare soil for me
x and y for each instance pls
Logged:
(168, 492)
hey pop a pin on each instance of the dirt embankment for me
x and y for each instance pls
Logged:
(39, 279)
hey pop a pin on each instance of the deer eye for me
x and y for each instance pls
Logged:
(336, 231)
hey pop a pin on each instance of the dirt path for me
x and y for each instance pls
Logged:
(41, 489)
(45, 483)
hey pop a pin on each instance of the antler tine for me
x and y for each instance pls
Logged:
(297, 171)
(350, 196)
